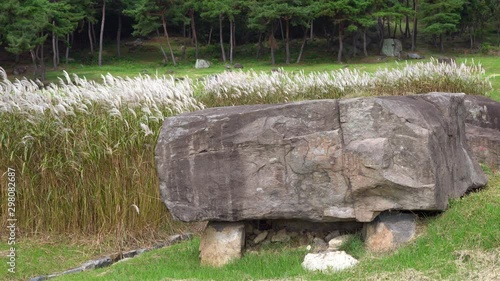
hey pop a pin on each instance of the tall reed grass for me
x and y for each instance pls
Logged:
(236, 88)
(84, 151)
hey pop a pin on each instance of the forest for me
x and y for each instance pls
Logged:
(49, 31)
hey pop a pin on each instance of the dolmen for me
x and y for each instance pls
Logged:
(327, 161)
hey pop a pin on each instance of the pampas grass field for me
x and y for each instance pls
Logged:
(84, 151)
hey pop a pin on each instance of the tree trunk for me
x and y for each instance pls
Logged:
(354, 40)
(164, 23)
(259, 46)
(287, 42)
(210, 35)
(101, 35)
(273, 61)
(165, 57)
(221, 39)
(364, 43)
(472, 43)
(193, 27)
(93, 35)
(407, 27)
(312, 33)
(90, 39)
(395, 28)
(281, 29)
(57, 51)
(42, 63)
(33, 58)
(304, 41)
(414, 33)
(54, 49)
(234, 34)
(273, 44)
(118, 36)
(400, 28)
(231, 41)
(388, 28)
(380, 28)
(67, 49)
(441, 43)
(341, 44)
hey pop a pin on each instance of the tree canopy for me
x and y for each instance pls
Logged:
(25, 25)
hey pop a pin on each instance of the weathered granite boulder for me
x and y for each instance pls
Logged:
(201, 64)
(322, 160)
(392, 47)
(483, 129)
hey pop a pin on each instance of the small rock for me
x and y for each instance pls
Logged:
(260, 237)
(328, 262)
(280, 236)
(389, 231)
(238, 65)
(319, 245)
(332, 235)
(335, 243)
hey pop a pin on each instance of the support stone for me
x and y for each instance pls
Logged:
(221, 243)
(389, 231)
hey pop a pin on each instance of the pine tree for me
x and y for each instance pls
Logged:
(441, 17)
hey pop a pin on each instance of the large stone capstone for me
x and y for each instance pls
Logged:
(321, 160)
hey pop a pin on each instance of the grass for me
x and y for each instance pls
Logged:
(42, 257)
(462, 243)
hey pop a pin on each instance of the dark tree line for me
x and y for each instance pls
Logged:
(32, 26)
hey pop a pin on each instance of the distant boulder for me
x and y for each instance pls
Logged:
(392, 48)
(446, 60)
(201, 64)
(414, 56)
